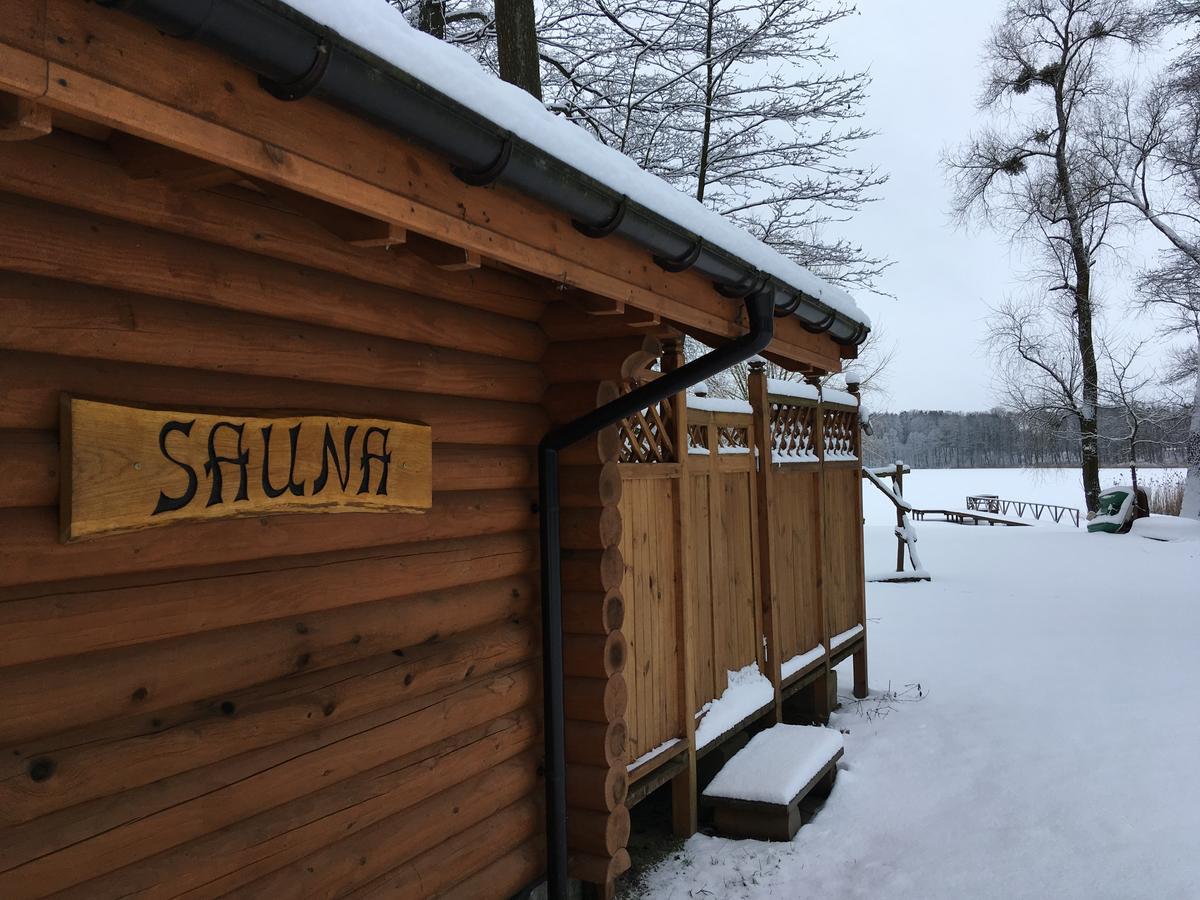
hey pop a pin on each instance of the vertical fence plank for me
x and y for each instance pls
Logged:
(760, 472)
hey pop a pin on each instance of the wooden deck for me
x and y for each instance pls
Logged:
(965, 517)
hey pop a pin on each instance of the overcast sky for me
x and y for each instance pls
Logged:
(924, 58)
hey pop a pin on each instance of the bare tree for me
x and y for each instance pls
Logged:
(1134, 396)
(1148, 145)
(736, 102)
(1037, 180)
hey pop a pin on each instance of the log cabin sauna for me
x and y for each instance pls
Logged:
(286, 335)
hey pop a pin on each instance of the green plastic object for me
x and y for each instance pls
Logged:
(1114, 513)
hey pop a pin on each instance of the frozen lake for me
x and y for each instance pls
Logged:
(948, 488)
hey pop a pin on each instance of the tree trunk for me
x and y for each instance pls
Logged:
(517, 45)
(709, 89)
(431, 18)
(1089, 449)
(1191, 486)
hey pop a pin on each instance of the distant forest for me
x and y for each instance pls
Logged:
(935, 439)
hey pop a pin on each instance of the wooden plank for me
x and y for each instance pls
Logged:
(231, 701)
(506, 876)
(31, 537)
(120, 616)
(23, 119)
(57, 317)
(226, 859)
(407, 185)
(36, 238)
(764, 499)
(30, 385)
(345, 865)
(119, 467)
(443, 865)
(61, 849)
(318, 234)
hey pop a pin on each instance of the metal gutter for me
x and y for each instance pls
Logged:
(297, 57)
(762, 326)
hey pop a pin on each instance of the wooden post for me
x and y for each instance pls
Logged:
(860, 656)
(684, 811)
(825, 707)
(898, 484)
(757, 386)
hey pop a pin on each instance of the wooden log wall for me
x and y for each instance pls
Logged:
(583, 364)
(300, 705)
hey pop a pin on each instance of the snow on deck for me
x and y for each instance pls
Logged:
(381, 29)
(801, 661)
(748, 691)
(651, 754)
(848, 635)
(1053, 754)
(777, 763)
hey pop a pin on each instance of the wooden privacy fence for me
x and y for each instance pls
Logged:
(742, 544)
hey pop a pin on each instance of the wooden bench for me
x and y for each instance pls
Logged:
(759, 792)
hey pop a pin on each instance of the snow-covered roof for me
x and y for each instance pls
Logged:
(381, 29)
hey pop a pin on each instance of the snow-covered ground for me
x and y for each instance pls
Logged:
(1055, 752)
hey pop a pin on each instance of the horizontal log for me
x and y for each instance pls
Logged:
(443, 865)
(38, 238)
(105, 619)
(571, 399)
(30, 468)
(238, 854)
(594, 359)
(100, 760)
(595, 699)
(354, 861)
(599, 788)
(590, 486)
(596, 743)
(594, 656)
(593, 613)
(53, 169)
(57, 850)
(505, 877)
(31, 384)
(32, 536)
(599, 833)
(589, 529)
(49, 316)
(602, 447)
(591, 570)
(598, 869)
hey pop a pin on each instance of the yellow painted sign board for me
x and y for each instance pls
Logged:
(127, 468)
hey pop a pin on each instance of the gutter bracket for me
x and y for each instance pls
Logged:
(489, 173)
(680, 263)
(605, 228)
(306, 83)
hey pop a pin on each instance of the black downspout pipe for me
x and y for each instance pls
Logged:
(760, 314)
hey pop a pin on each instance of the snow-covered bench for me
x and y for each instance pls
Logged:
(757, 794)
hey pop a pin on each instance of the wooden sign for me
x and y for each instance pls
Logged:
(126, 468)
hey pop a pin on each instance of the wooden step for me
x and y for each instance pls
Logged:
(759, 792)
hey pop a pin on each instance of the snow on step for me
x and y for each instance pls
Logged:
(777, 764)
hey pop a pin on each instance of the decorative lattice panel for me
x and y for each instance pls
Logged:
(793, 432)
(732, 438)
(697, 437)
(646, 435)
(839, 434)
